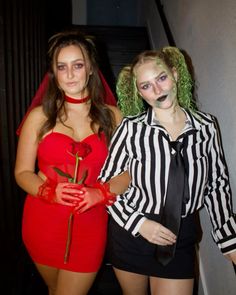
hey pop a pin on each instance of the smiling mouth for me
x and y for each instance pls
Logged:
(161, 98)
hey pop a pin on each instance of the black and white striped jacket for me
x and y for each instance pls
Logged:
(141, 146)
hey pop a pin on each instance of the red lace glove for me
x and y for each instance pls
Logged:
(47, 191)
(63, 193)
(98, 194)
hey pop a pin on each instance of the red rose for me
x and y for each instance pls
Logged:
(80, 149)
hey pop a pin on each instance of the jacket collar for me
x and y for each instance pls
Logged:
(196, 120)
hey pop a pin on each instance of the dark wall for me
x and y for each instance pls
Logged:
(114, 12)
(58, 15)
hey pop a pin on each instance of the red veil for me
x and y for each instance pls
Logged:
(37, 99)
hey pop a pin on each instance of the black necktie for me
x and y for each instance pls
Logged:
(176, 193)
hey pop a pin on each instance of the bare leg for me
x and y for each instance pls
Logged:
(49, 275)
(160, 286)
(132, 283)
(74, 283)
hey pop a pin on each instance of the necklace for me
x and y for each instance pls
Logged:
(74, 100)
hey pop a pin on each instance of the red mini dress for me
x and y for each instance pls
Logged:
(45, 225)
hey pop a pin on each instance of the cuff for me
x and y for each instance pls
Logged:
(225, 237)
(134, 223)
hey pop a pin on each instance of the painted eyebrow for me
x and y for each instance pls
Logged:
(158, 76)
(73, 61)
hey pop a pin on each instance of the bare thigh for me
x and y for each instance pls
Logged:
(74, 283)
(132, 283)
(160, 286)
(49, 275)
(64, 282)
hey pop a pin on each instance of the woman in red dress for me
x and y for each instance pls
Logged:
(64, 223)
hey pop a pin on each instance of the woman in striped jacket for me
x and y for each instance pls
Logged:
(148, 242)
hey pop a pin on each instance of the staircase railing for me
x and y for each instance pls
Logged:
(165, 23)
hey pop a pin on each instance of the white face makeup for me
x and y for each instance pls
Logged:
(72, 72)
(157, 84)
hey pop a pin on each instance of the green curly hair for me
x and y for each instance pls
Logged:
(129, 99)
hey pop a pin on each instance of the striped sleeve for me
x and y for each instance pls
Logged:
(117, 159)
(218, 200)
(116, 163)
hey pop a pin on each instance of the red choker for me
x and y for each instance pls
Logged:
(74, 100)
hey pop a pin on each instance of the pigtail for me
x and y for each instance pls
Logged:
(174, 58)
(129, 100)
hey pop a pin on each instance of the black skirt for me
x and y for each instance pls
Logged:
(137, 255)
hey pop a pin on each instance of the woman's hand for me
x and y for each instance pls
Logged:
(63, 193)
(156, 233)
(68, 194)
(90, 197)
(232, 257)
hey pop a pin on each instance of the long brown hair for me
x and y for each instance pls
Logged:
(53, 101)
